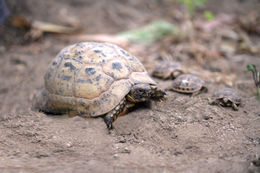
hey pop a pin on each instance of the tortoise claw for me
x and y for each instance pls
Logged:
(162, 99)
(234, 106)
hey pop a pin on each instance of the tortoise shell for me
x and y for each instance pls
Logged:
(228, 93)
(92, 78)
(187, 83)
(167, 70)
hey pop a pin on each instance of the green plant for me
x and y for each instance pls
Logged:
(151, 32)
(256, 78)
(208, 15)
(192, 4)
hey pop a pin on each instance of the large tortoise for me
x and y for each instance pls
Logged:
(93, 79)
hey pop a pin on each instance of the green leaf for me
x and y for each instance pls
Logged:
(208, 15)
(192, 4)
(251, 67)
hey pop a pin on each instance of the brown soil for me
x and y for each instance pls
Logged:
(182, 134)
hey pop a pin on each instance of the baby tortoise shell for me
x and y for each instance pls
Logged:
(94, 79)
(167, 70)
(189, 84)
(227, 97)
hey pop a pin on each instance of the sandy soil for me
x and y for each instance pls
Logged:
(183, 134)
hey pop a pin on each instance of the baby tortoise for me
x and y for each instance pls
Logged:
(167, 70)
(189, 84)
(226, 97)
(95, 79)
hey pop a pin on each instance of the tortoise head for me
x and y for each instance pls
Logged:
(157, 93)
(145, 92)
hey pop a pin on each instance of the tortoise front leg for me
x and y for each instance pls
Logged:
(234, 106)
(119, 110)
(195, 93)
(202, 90)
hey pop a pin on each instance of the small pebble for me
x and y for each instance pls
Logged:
(69, 144)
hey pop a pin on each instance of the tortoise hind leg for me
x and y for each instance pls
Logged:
(119, 110)
(40, 101)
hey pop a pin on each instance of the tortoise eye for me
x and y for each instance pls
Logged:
(140, 91)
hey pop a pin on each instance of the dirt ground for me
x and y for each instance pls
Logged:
(183, 134)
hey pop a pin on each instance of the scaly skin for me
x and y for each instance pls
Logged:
(119, 110)
(139, 93)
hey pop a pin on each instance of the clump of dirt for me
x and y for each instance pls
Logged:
(182, 134)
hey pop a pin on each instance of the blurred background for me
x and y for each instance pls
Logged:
(112, 16)
(208, 37)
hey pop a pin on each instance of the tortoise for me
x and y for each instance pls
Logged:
(226, 97)
(167, 70)
(189, 84)
(92, 79)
